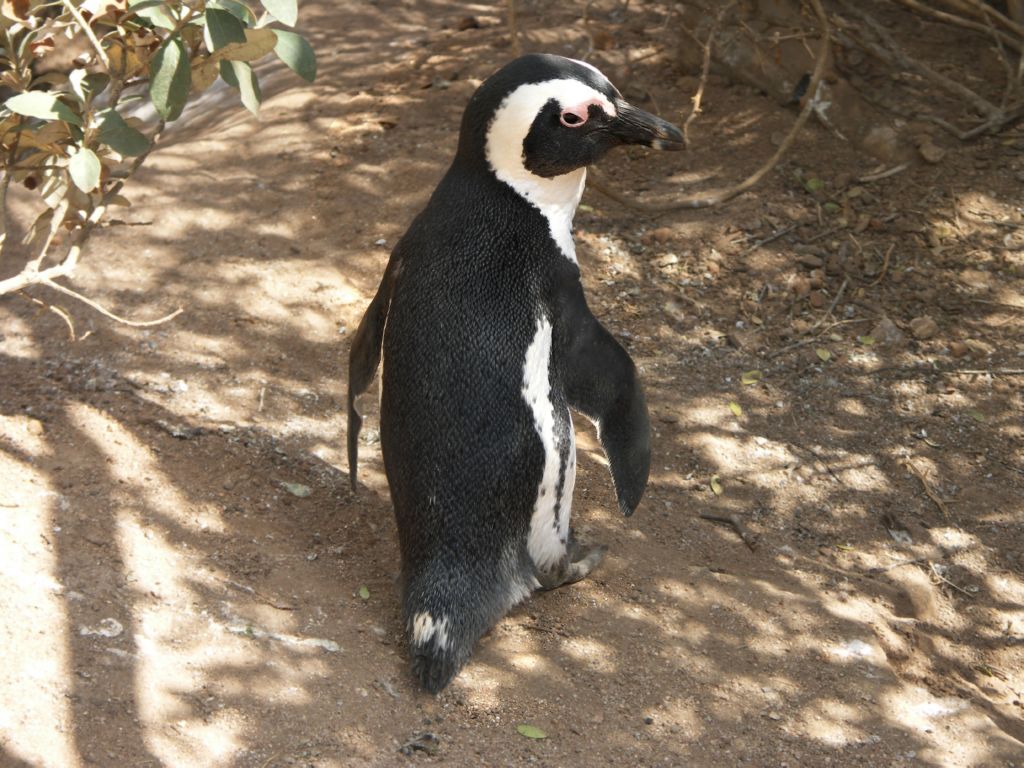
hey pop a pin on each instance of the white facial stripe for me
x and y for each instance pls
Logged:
(556, 198)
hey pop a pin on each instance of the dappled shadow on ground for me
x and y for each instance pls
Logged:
(182, 560)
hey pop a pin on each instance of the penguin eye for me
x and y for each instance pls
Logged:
(571, 119)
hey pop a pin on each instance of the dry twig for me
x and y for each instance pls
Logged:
(707, 200)
(771, 238)
(733, 520)
(883, 174)
(939, 502)
(704, 69)
(933, 569)
(832, 306)
(885, 265)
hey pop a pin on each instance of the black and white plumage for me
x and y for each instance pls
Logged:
(487, 343)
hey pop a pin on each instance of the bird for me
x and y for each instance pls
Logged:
(486, 345)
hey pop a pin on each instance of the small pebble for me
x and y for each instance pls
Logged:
(923, 327)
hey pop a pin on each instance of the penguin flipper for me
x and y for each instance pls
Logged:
(363, 359)
(600, 382)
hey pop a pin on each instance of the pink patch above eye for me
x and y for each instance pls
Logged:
(577, 115)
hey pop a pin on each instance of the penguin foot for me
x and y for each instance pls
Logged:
(577, 565)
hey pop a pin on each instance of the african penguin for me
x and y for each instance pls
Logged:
(487, 343)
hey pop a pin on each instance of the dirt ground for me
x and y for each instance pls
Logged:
(186, 579)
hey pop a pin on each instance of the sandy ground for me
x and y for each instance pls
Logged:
(186, 580)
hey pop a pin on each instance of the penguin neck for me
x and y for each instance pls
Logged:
(556, 199)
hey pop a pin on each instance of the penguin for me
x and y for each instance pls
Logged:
(487, 345)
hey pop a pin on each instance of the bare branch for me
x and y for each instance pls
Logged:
(705, 68)
(106, 312)
(983, 9)
(100, 53)
(890, 51)
(707, 200)
(960, 21)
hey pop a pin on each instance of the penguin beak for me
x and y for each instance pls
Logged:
(634, 126)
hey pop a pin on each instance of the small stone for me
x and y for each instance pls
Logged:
(817, 278)
(886, 333)
(743, 339)
(959, 349)
(923, 327)
(809, 260)
(467, 22)
(801, 286)
(817, 299)
(883, 142)
(834, 264)
(976, 278)
(931, 152)
(979, 348)
(648, 720)
(661, 234)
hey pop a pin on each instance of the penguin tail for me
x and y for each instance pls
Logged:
(437, 650)
(434, 669)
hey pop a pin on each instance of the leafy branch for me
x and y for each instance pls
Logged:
(67, 136)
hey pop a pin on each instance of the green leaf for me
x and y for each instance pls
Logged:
(222, 28)
(364, 592)
(832, 207)
(285, 11)
(716, 487)
(154, 11)
(813, 185)
(170, 79)
(867, 341)
(296, 53)
(531, 731)
(44, 105)
(750, 377)
(85, 168)
(228, 73)
(239, 10)
(248, 85)
(736, 408)
(119, 136)
(977, 415)
(823, 354)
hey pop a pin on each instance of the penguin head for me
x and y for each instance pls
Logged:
(543, 117)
